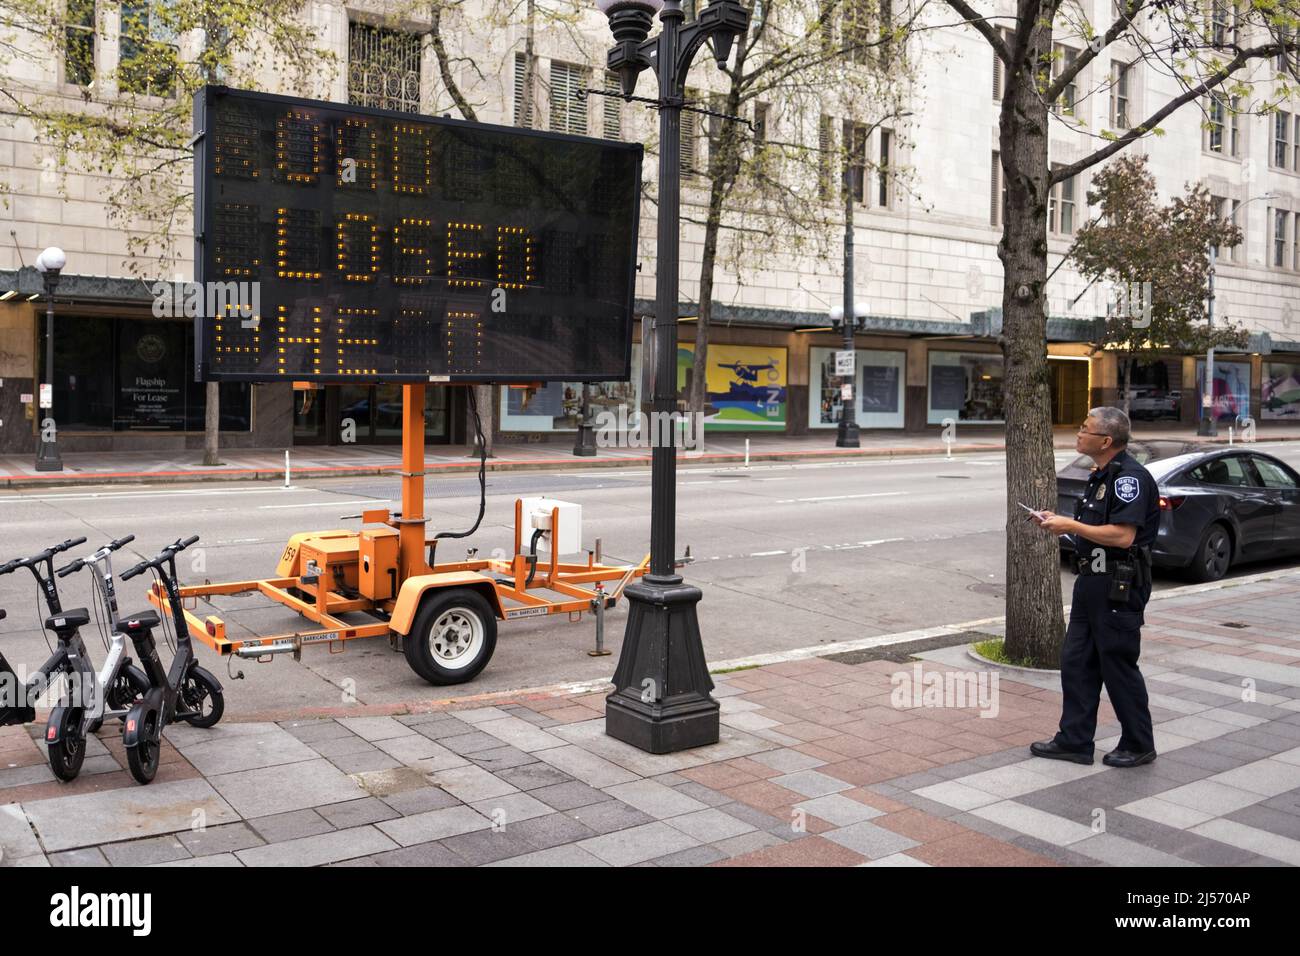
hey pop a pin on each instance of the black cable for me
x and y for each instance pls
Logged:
(532, 554)
(482, 474)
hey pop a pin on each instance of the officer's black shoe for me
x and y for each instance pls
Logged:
(1127, 758)
(1054, 751)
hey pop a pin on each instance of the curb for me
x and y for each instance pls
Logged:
(470, 466)
(1013, 668)
(740, 663)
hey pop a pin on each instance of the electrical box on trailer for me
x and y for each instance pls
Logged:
(378, 554)
(538, 515)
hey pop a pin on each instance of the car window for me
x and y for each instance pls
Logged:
(1272, 474)
(1227, 470)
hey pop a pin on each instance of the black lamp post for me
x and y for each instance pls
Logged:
(49, 263)
(846, 434)
(661, 701)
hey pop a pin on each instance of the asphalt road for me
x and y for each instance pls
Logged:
(788, 555)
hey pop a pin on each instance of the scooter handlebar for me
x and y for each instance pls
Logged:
(77, 565)
(121, 542)
(133, 571)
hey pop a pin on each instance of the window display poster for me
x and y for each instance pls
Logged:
(966, 386)
(879, 389)
(1231, 394)
(1279, 393)
(745, 387)
(151, 376)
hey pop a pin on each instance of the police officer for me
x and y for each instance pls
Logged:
(1114, 525)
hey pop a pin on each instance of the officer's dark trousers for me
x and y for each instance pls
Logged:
(1102, 645)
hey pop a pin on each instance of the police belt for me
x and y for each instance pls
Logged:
(1141, 556)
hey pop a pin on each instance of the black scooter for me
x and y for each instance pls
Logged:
(184, 691)
(17, 701)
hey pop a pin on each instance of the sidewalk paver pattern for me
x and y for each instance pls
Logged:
(833, 774)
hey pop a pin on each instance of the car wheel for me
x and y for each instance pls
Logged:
(1213, 555)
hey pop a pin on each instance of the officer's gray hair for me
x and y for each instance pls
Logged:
(1113, 422)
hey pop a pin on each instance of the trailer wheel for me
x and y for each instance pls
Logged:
(452, 637)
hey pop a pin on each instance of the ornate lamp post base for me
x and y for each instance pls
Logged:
(846, 435)
(48, 458)
(661, 701)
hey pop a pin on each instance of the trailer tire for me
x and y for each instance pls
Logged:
(452, 637)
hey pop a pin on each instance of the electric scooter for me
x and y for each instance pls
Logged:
(69, 659)
(115, 687)
(184, 691)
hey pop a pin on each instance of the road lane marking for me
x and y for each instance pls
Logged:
(874, 494)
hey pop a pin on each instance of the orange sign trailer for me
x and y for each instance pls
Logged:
(444, 614)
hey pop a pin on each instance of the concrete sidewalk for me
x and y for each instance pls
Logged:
(822, 762)
(313, 461)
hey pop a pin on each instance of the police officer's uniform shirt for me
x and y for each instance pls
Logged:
(1121, 493)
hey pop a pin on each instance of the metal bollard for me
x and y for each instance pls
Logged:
(598, 606)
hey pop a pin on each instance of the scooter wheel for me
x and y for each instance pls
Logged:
(142, 759)
(68, 753)
(202, 695)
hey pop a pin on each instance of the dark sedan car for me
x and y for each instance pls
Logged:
(1218, 507)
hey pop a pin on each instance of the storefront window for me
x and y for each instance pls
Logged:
(1154, 394)
(1231, 389)
(965, 386)
(878, 389)
(134, 375)
(1279, 394)
(557, 406)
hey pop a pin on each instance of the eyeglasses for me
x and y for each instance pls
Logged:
(1083, 430)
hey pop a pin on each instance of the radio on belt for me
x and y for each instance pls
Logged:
(538, 512)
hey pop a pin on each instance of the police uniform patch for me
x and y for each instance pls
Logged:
(1127, 488)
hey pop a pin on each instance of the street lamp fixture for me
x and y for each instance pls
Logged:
(50, 264)
(661, 701)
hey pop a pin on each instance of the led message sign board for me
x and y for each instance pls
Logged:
(340, 243)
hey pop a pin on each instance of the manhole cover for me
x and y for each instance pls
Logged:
(1234, 624)
(953, 476)
(993, 588)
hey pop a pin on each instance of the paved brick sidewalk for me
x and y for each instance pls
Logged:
(821, 763)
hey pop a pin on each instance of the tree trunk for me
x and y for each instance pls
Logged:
(212, 424)
(1035, 625)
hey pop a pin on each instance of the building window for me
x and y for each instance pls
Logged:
(612, 108)
(524, 83)
(717, 104)
(1281, 143)
(1060, 208)
(1280, 217)
(884, 174)
(147, 50)
(1234, 128)
(1000, 68)
(689, 150)
(1063, 57)
(79, 43)
(1119, 94)
(1216, 125)
(855, 141)
(568, 103)
(825, 158)
(997, 191)
(857, 28)
(383, 68)
(1238, 248)
(1223, 17)
(965, 386)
